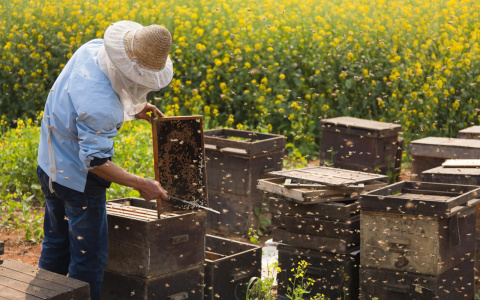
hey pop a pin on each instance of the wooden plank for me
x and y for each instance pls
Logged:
(46, 275)
(321, 243)
(180, 159)
(462, 163)
(323, 194)
(10, 293)
(32, 289)
(37, 282)
(317, 226)
(329, 176)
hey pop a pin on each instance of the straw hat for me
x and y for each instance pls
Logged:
(140, 53)
(149, 46)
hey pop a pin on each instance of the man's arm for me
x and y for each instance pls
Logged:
(149, 189)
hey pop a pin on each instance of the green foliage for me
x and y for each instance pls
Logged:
(281, 65)
(262, 288)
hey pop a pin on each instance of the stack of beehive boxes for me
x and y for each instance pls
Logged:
(157, 249)
(461, 171)
(151, 257)
(418, 241)
(318, 223)
(236, 159)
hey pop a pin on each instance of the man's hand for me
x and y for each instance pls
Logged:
(150, 189)
(149, 108)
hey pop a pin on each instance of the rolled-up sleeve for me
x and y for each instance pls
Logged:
(97, 121)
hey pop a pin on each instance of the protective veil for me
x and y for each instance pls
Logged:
(131, 82)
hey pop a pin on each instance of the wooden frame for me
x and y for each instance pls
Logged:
(179, 160)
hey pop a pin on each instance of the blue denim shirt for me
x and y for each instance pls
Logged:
(85, 114)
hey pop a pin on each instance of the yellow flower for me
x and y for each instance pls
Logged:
(281, 76)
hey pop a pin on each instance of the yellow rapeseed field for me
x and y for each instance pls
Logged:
(277, 66)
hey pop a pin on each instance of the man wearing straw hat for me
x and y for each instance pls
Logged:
(104, 84)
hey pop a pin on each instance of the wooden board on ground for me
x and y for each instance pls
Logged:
(408, 197)
(322, 193)
(330, 176)
(22, 281)
(179, 158)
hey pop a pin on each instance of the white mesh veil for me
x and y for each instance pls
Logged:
(131, 82)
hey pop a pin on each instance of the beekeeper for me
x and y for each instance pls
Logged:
(104, 84)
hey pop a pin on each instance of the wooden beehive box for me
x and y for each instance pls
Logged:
(22, 281)
(426, 245)
(144, 246)
(454, 284)
(363, 145)
(419, 198)
(179, 158)
(334, 275)
(459, 172)
(180, 285)
(229, 267)
(431, 152)
(470, 133)
(236, 159)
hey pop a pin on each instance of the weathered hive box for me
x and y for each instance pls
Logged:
(431, 152)
(315, 207)
(229, 266)
(235, 160)
(426, 245)
(470, 133)
(144, 246)
(331, 226)
(456, 283)
(419, 198)
(460, 172)
(363, 145)
(22, 281)
(184, 284)
(335, 275)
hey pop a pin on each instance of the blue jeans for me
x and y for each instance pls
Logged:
(76, 234)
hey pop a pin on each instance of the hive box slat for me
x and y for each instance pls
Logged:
(152, 247)
(312, 226)
(229, 265)
(23, 281)
(454, 284)
(184, 284)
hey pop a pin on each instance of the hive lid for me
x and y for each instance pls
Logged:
(443, 147)
(243, 142)
(420, 198)
(376, 128)
(179, 159)
(330, 176)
